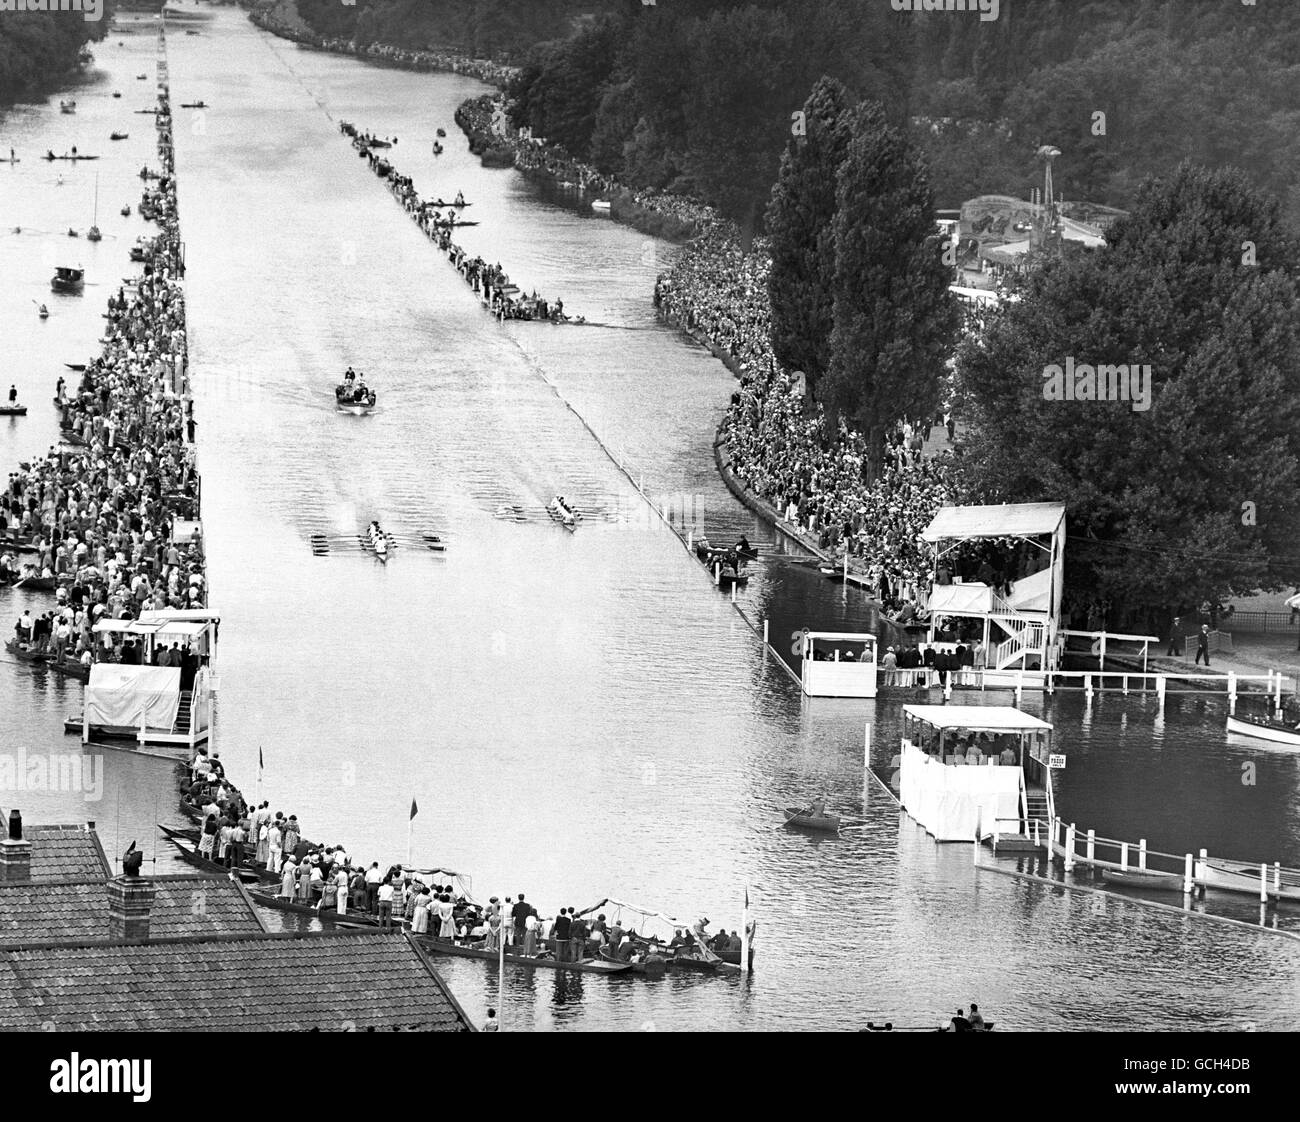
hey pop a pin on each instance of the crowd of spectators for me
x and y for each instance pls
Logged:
(99, 515)
(777, 445)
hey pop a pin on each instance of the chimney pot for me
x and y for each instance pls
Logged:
(130, 905)
(15, 853)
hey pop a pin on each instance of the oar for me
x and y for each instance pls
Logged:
(791, 817)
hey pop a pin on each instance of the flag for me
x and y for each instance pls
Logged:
(414, 809)
(260, 764)
(746, 897)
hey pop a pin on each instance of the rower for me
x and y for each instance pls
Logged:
(460, 198)
(742, 545)
(13, 394)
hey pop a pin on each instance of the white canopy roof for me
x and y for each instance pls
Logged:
(1007, 520)
(981, 718)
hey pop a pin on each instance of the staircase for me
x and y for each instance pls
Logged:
(182, 722)
(1036, 808)
(1025, 636)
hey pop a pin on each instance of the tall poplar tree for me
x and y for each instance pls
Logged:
(894, 319)
(800, 220)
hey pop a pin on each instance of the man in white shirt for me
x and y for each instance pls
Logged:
(385, 906)
(373, 877)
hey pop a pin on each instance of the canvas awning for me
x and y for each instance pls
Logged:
(978, 718)
(1007, 520)
(124, 696)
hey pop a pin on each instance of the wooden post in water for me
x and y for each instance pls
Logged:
(1069, 847)
(1263, 883)
(717, 573)
(1123, 856)
(1092, 845)
(1232, 691)
(1124, 684)
(1160, 690)
(1187, 876)
(1277, 694)
(1200, 872)
(690, 540)
(1087, 686)
(765, 640)
(1142, 854)
(979, 829)
(866, 745)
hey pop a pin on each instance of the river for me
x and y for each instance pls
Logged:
(577, 715)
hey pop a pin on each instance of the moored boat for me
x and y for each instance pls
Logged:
(37, 584)
(1262, 729)
(117, 136)
(1143, 878)
(1244, 877)
(268, 898)
(20, 653)
(586, 966)
(600, 205)
(14, 410)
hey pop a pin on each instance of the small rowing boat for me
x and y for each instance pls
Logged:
(37, 584)
(1263, 729)
(194, 104)
(1143, 878)
(438, 204)
(117, 136)
(601, 206)
(586, 966)
(1242, 876)
(14, 410)
(806, 818)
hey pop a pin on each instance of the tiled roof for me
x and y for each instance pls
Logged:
(64, 852)
(76, 911)
(331, 982)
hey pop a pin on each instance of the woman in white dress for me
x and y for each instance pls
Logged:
(287, 879)
(420, 917)
(446, 924)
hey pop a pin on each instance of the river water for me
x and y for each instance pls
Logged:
(577, 715)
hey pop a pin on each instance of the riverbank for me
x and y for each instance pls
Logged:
(108, 515)
(283, 20)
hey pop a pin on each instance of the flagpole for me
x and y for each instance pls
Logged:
(410, 828)
(501, 970)
(744, 933)
(259, 775)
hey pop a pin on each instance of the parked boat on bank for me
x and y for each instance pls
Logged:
(1263, 729)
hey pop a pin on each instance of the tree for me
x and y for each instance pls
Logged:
(894, 318)
(738, 108)
(801, 284)
(1155, 496)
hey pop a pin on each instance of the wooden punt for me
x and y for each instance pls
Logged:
(73, 669)
(1261, 729)
(801, 817)
(191, 856)
(1144, 879)
(269, 899)
(586, 966)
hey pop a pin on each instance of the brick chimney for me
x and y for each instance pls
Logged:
(130, 903)
(15, 853)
